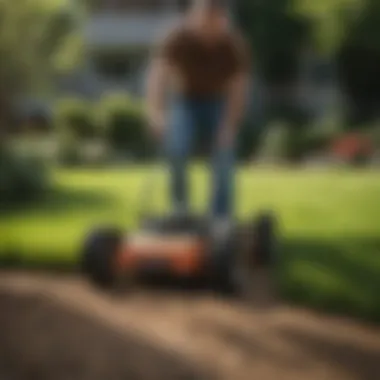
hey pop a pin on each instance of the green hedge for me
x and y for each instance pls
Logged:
(119, 121)
(76, 116)
(123, 121)
(22, 179)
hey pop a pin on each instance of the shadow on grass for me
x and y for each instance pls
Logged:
(58, 202)
(342, 275)
(67, 345)
(14, 261)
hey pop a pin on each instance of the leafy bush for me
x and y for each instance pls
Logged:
(319, 137)
(69, 149)
(77, 126)
(248, 141)
(89, 132)
(283, 141)
(22, 179)
(76, 116)
(296, 149)
(124, 123)
(273, 144)
(374, 134)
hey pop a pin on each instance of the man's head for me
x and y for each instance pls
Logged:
(209, 16)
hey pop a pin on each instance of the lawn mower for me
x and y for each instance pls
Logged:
(183, 246)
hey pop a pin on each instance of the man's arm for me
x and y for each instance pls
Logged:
(158, 76)
(156, 85)
(237, 92)
(236, 102)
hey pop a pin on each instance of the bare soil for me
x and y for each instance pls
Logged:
(60, 328)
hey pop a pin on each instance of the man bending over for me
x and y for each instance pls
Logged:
(204, 61)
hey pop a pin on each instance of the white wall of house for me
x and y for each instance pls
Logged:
(124, 31)
(113, 30)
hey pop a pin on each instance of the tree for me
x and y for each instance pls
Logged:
(32, 36)
(349, 31)
(345, 32)
(359, 64)
(276, 37)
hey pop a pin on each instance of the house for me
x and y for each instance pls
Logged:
(118, 36)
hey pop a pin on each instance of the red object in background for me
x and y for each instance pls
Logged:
(351, 146)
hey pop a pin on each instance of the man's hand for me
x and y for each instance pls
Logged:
(157, 130)
(226, 137)
(157, 124)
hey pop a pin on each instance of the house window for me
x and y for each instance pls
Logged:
(113, 66)
(118, 65)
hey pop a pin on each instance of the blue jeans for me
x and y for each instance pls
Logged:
(187, 116)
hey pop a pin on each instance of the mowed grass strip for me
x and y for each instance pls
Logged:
(328, 220)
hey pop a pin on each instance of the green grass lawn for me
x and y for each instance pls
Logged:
(329, 223)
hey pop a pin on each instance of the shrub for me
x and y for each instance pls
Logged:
(22, 179)
(374, 134)
(296, 147)
(69, 149)
(272, 146)
(124, 123)
(248, 140)
(77, 117)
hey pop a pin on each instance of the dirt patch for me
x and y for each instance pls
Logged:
(42, 340)
(59, 328)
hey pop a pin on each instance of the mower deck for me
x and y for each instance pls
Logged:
(153, 253)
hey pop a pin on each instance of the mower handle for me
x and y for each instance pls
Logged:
(146, 194)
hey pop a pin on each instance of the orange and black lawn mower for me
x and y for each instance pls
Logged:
(182, 246)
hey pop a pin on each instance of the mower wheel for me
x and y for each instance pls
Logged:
(230, 274)
(98, 256)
